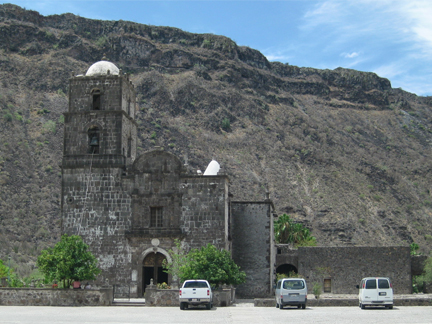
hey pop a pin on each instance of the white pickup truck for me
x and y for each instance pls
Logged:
(195, 292)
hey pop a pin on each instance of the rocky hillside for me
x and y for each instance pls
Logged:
(339, 150)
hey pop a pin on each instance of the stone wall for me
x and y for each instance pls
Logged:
(170, 297)
(96, 208)
(55, 297)
(204, 211)
(253, 247)
(346, 266)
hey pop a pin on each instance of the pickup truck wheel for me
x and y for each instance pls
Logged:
(277, 305)
(280, 306)
(182, 306)
(362, 306)
(304, 306)
(208, 306)
(298, 306)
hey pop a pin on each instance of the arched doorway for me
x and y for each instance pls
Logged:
(153, 269)
(286, 269)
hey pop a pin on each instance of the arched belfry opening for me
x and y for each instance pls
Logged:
(153, 269)
(93, 140)
(96, 103)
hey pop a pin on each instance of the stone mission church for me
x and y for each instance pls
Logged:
(130, 209)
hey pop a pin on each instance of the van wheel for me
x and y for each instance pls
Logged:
(304, 306)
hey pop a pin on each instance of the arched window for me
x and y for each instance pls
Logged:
(96, 105)
(93, 140)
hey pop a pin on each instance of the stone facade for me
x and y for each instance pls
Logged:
(130, 209)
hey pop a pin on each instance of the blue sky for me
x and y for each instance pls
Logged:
(392, 38)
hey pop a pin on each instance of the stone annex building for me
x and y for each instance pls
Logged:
(130, 209)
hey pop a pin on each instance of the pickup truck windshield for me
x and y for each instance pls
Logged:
(195, 284)
(293, 284)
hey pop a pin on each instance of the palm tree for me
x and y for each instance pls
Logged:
(286, 231)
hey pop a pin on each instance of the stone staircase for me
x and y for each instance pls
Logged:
(132, 302)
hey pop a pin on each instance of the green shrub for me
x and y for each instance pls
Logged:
(163, 285)
(317, 289)
(8, 116)
(18, 116)
(212, 264)
(101, 41)
(50, 126)
(225, 124)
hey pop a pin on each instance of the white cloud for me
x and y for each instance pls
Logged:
(390, 70)
(280, 58)
(350, 55)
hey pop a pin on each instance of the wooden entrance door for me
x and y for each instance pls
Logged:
(327, 285)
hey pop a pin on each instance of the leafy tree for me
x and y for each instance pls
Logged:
(67, 261)
(286, 231)
(179, 259)
(215, 266)
(425, 277)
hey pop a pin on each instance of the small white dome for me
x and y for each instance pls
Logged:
(102, 68)
(212, 169)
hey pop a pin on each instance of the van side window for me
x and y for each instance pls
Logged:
(371, 284)
(383, 284)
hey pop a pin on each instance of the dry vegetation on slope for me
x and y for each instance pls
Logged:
(339, 150)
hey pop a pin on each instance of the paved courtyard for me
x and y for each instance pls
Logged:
(245, 313)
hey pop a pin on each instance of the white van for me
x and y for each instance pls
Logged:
(291, 291)
(375, 292)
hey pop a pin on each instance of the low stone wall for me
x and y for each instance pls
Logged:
(170, 297)
(55, 297)
(351, 300)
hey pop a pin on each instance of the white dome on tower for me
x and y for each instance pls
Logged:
(212, 169)
(103, 68)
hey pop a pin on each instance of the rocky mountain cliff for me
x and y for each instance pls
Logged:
(340, 150)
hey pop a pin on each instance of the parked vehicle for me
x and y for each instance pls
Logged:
(195, 293)
(375, 292)
(292, 292)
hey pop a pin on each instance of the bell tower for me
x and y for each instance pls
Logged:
(99, 126)
(100, 136)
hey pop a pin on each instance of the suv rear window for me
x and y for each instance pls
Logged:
(371, 284)
(383, 284)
